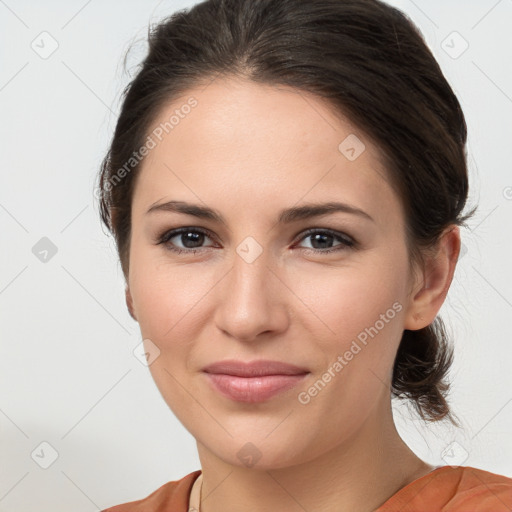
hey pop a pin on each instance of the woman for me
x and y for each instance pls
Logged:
(285, 185)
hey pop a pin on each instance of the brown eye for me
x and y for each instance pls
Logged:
(191, 239)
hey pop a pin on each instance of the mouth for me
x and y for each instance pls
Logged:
(255, 381)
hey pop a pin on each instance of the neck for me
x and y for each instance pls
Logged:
(361, 473)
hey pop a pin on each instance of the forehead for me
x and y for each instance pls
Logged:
(262, 142)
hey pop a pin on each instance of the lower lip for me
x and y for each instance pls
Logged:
(253, 389)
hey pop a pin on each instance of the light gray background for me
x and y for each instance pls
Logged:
(68, 376)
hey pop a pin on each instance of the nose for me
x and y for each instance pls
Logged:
(252, 301)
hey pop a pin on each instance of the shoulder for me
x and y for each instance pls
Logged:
(480, 491)
(454, 489)
(175, 493)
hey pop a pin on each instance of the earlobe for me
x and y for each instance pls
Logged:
(437, 277)
(129, 303)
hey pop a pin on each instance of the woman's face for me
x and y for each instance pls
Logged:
(260, 284)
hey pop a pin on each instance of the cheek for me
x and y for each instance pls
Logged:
(166, 296)
(168, 304)
(358, 329)
(343, 303)
(358, 318)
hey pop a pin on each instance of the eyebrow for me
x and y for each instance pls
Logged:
(289, 215)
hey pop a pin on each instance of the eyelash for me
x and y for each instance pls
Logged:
(346, 241)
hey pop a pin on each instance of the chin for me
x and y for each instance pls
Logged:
(255, 452)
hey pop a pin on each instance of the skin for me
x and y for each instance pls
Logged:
(248, 151)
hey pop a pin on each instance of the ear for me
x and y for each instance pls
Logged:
(129, 303)
(430, 292)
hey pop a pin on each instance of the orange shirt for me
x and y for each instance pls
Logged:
(445, 489)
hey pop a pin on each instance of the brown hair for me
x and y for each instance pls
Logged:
(373, 66)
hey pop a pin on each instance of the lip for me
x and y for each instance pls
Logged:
(256, 368)
(255, 381)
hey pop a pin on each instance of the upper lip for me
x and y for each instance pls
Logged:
(257, 368)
